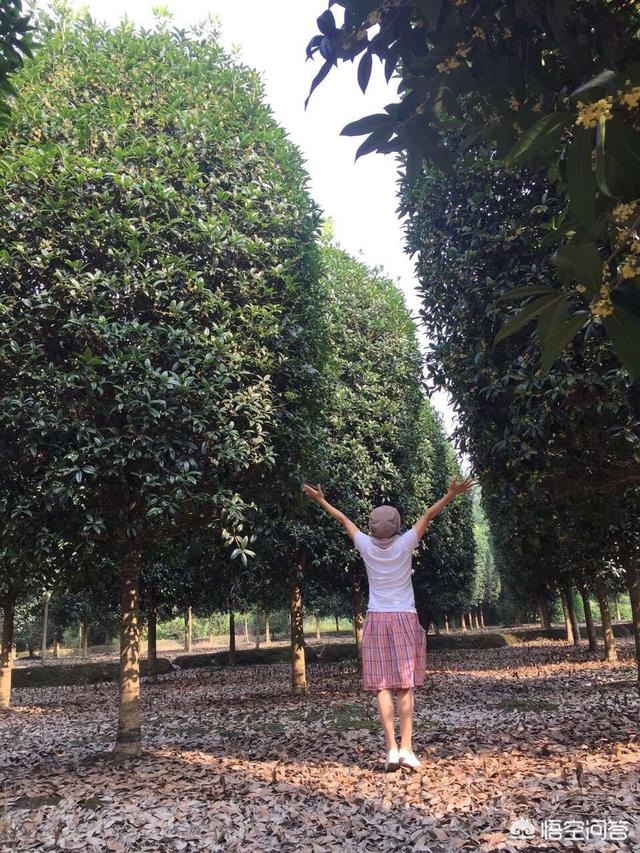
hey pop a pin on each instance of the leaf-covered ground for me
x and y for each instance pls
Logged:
(234, 762)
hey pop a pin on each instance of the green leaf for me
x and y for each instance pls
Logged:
(581, 183)
(627, 296)
(526, 314)
(368, 124)
(559, 334)
(428, 144)
(623, 144)
(545, 134)
(588, 268)
(624, 332)
(430, 10)
(372, 142)
(604, 80)
(551, 317)
(565, 262)
(601, 165)
(526, 290)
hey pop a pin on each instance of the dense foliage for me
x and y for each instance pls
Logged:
(382, 441)
(552, 84)
(160, 293)
(16, 43)
(557, 455)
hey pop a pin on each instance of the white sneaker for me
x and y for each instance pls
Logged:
(408, 759)
(393, 762)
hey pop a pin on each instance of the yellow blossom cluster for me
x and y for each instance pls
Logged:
(448, 65)
(630, 99)
(479, 33)
(581, 288)
(603, 306)
(506, 33)
(462, 49)
(622, 212)
(459, 2)
(630, 268)
(590, 114)
(514, 103)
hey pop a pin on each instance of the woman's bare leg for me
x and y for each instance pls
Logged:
(405, 712)
(385, 709)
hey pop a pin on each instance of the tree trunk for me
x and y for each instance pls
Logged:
(257, 626)
(188, 630)
(318, 635)
(545, 616)
(446, 625)
(436, 628)
(610, 651)
(577, 639)
(84, 638)
(588, 617)
(45, 627)
(6, 656)
(482, 625)
(632, 579)
(356, 595)
(79, 639)
(152, 635)
(128, 741)
(568, 624)
(232, 638)
(246, 628)
(298, 667)
(337, 626)
(56, 643)
(616, 603)
(463, 624)
(267, 630)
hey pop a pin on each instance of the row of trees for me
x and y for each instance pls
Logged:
(178, 353)
(517, 130)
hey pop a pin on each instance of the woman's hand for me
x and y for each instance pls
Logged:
(315, 494)
(459, 488)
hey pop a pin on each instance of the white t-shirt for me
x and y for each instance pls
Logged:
(389, 572)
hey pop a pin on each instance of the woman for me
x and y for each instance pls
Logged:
(393, 641)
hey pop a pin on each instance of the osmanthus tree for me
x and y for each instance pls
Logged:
(539, 443)
(16, 43)
(158, 277)
(554, 84)
(381, 441)
(487, 581)
(369, 437)
(445, 560)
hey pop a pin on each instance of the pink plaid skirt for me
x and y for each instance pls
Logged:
(394, 651)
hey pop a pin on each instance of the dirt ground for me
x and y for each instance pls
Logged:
(234, 762)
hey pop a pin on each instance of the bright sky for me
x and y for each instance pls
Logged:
(359, 197)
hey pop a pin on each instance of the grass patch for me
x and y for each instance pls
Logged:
(36, 802)
(91, 803)
(331, 653)
(350, 716)
(76, 674)
(535, 705)
(621, 629)
(492, 640)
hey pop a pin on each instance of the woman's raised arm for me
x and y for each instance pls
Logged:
(318, 496)
(455, 489)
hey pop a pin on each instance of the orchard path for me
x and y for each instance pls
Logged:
(233, 762)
